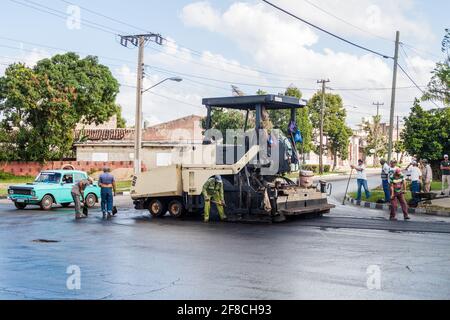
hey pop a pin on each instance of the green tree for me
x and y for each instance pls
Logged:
(121, 122)
(438, 87)
(427, 133)
(376, 140)
(223, 119)
(280, 119)
(42, 105)
(334, 127)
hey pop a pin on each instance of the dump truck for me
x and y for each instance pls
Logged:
(253, 164)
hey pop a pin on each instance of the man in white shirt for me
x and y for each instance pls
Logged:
(415, 177)
(385, 180)
(361, 179)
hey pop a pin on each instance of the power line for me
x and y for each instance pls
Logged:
(63, 15)
(346, 22)
(192, 51)
(412, 80)
(327, 32)
(418, 51)
(105, 16)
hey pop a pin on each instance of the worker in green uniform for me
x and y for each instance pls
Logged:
(213, 192)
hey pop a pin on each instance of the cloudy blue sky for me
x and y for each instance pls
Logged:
(213, 44)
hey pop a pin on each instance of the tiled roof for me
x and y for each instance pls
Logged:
(104, 134)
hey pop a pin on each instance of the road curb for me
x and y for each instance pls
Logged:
(383, 206)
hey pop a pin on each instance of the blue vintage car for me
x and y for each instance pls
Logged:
(52, 187)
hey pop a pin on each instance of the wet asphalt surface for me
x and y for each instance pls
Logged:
(134, 256)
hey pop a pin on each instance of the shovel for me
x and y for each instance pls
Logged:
(346, 189)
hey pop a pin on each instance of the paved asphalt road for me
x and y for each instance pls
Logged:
(136, 257)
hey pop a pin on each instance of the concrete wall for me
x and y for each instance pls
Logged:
(33, 168)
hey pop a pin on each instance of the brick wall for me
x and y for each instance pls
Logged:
(33, 168)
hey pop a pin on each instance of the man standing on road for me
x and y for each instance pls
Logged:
(392, 167)
(361, 179)
(445, 168)
(415, 176)
(107, 184)
(385, 180)
(398, 190)
(427, 176)
(213, 191)
(78, 196)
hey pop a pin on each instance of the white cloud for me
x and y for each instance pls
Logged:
(201, 14)
(278, 43)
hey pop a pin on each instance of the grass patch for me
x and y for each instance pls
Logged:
(3, 192)
(293, 175)
(6, 177)
(376, 195)
(122, 186)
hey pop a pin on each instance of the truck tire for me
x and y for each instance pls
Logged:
(176, 208)
(90, 200)
(46, 202)
(20, 206)
(157, 208)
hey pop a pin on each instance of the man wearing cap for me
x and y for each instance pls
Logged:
(361, 179)
(445, 168)
(108, 188)
(77, 196)
(398, 190)
(213, 192)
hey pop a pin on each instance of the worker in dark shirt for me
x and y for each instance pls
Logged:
(78, 196)
(445, 168)
(107, 184)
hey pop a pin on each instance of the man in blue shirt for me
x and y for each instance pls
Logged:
(108, 188)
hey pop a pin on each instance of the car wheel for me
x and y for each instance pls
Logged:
(157, 208)
(65, 205)
(90, 200)
(20, 205)
(46, 202)
(176, 208)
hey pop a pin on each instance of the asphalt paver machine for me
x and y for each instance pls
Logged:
(253, 164)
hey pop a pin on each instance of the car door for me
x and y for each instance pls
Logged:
(67, 182)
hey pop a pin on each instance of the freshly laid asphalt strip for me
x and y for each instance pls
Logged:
(378, 224)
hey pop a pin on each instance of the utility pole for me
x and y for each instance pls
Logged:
(139, 41)
(394, 85)
(378, 104)
(376, 128)
(322, 111)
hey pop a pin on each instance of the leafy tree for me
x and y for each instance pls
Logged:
(280, 119)
(438, 88)
(121, 122)
(427, 133)
(223, 119)
(334, 127)
(376, 140)
(42, 105)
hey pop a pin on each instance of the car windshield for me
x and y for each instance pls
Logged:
(49, 177)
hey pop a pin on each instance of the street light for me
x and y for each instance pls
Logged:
(138, 122)
(177, 79)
